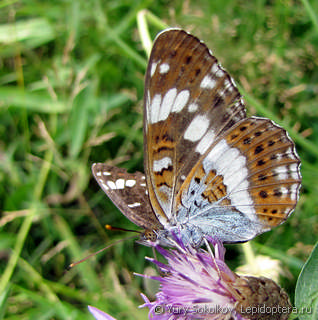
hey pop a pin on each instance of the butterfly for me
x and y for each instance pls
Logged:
(209, 169)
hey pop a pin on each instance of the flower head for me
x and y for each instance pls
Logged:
(197, 284)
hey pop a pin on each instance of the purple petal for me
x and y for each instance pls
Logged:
(99, 315)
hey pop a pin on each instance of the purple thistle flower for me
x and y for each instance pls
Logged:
(195, 285)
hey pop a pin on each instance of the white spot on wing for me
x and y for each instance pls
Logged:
(166, 105)
(228, 85)
(130, 183)
(98, 174)
(207, 82)
(294, 171)
(282, 172)
(294, 191)
(134, 205)
(197, 128)
(120, 184)
(219, 73)
(155, 108)
(279, 156)
(106, 173)
(164, 68)
(205, 142)
(217, 70)
(193, 107)
(163, 163)
(181, 100)
(153, 68)
(284, 190)
(214, 68)
(290, 153)
(111, 185)
(217, 151)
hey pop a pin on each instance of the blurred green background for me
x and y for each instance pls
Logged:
(71, 94)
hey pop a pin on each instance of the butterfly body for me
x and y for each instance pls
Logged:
(225, 226)
(209, 170)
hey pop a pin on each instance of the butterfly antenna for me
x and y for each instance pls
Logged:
(109, 227)
(97, 252)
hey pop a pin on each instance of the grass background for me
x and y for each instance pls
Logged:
(71, 94)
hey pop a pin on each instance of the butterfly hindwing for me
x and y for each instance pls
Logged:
(128, 191)
(245, 184)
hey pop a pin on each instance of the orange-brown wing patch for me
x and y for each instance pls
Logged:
(273, 165)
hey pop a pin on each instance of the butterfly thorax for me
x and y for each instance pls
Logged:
(149, 235)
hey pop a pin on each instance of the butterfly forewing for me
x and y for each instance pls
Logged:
(128, 191)
(189, 100)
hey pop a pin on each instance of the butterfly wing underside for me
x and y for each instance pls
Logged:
(128, 192)
(206, 163)
(245, 184)
(189, 100)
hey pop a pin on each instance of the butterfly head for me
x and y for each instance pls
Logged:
(149, 236)
(161, 237)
